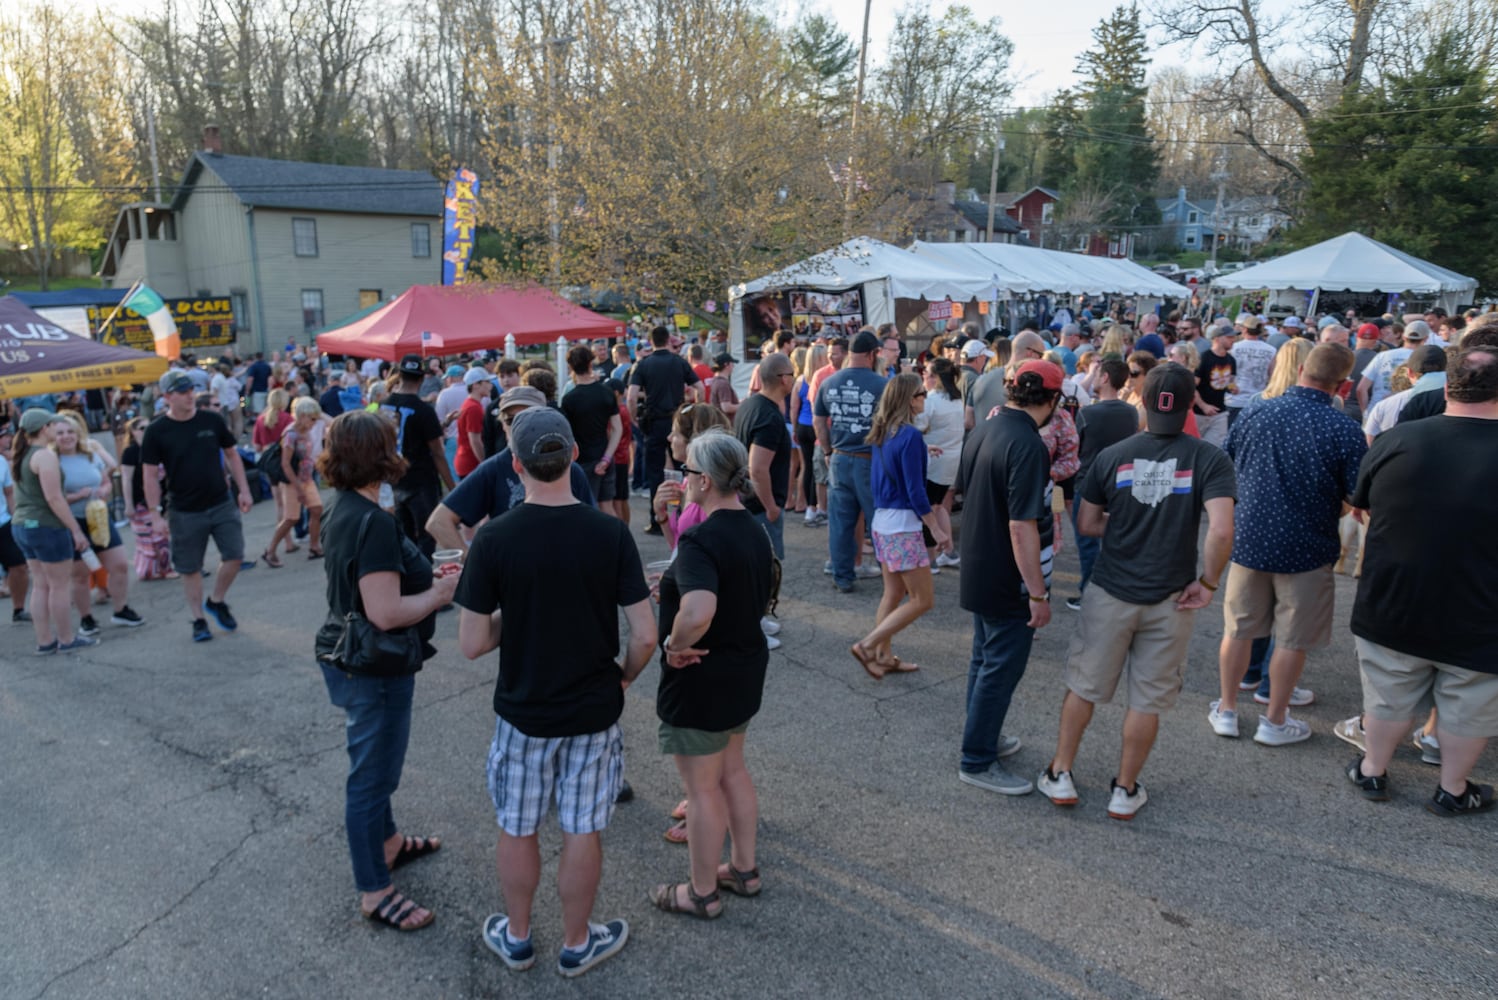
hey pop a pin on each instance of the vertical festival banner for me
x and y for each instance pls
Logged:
(459, 224)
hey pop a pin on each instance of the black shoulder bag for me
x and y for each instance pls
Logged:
(364, 649)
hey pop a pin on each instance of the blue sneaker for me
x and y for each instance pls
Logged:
(220, 612)
(518, 955)
(603, 941)
(200, 631)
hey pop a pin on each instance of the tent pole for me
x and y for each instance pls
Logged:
(118, 306)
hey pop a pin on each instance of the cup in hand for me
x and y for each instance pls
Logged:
(674, 476)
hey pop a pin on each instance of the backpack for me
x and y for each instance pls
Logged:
(269, 464)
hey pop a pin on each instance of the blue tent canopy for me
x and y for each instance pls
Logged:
(71, 297)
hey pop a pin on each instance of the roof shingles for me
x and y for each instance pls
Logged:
(317, 187)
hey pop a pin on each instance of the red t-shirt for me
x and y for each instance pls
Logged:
(703, 370)
(470, 420)
(621, 454)
(263, 436)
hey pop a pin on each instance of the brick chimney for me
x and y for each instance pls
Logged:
(946, 192)
(211, 141)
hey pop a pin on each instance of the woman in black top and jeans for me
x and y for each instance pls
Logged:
(712, 598)
(396, 590)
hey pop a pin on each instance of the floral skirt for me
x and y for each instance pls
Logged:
(153, 549)
(901, 551)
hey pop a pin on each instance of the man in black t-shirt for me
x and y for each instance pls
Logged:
(193, 447)
(1214, 379)
(665, 379)
(419, 437)
(1421, 484)
(760, 425)
(1005, 479)
(1107, 421)
(593, 412)
(1144, 497)
(543, 585)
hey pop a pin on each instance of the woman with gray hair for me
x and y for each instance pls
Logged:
(712, 598)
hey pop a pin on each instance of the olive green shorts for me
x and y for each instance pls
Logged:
(681, 742)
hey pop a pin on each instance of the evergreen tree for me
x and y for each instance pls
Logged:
(1113, 151)
(1058, 139)
(1412, 163)
(821, 60)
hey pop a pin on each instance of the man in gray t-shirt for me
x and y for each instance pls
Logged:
(1145, 497)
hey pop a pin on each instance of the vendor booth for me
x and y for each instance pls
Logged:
(1303, 281)
(457, 319)
(37, 356)
(863, 282)
(1022, 272)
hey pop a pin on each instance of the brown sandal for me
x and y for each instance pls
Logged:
(868, 663)
(737, 882)
(677, 834)
(680, 812)
(664, 898)
(895, 665)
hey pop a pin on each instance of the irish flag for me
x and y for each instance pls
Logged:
(148, 305)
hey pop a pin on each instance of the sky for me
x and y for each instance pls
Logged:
(1045, 45)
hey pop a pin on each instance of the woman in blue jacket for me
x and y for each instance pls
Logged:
(900, 508)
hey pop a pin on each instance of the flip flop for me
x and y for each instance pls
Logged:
(413, 848)
(272, 561)
(680, 812)
(677, 834)
(866, 661)
(314, 554)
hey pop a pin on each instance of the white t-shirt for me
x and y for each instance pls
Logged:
(1385, 413)
(370, 368)
(226, 388)
(941, 424)
(450, 400)
(1380, 370)
(1255, 361)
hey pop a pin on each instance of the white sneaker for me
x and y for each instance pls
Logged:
(1224, 723)
(771, 642)
(811, 516)
(1123, 805)
(935, 570)
(1293, 731)
(1299, 698)
(944, 559)
(1351, 731)
(1059, 789)
(769, 626)
(868, 570)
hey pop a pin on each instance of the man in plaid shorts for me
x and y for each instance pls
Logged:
(543, 585)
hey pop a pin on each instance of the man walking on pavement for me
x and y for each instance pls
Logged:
(1214, 379)
(1144, 497)
(1297, 461)
(665, 379)
(842, 414)
(1005, 477)
(544, 585)
(193, 447)
(418, 435)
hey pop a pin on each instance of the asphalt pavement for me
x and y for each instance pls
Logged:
(171, 826)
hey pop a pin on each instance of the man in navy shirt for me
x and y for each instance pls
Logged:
(494, 486)
(1297, 461)
(258, 375)
(842, 415)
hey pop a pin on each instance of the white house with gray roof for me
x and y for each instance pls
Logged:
(294, 246)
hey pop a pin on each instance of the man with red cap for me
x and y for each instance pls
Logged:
(1144, 496)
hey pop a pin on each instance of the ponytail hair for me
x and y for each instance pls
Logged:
(723, 458)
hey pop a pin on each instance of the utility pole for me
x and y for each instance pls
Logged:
(552, 52)
(1220, 175)
(151, 140)
(863, 62)
(993, 173)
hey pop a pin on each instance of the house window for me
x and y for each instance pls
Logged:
(312, 314)
(1191, 239)
(1190, 218)
(1047, 213)
(239, 303)
(304, 237)
(421, 239)
(1253, 222)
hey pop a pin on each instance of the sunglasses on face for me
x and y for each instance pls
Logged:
(1135, 373)
(920, 394)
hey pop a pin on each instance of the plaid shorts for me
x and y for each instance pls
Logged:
(586, 772)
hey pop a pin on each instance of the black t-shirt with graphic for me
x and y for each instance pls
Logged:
(1154, 488)
(191, 453)
(416, 427)
(727, 555)
(759, 421)
(1213, 376)
(558, 576)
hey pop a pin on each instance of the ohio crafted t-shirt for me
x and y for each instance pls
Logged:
(558, 576)
(1154, 488)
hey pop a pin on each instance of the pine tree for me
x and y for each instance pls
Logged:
(1412, 164)
(1114, 152)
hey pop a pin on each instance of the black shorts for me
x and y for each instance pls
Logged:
(621, 481)
(604, 486)
(10, 552)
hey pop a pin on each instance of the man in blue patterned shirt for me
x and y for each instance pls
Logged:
(1297, 459)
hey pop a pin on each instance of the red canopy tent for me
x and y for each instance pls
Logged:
(464, 318)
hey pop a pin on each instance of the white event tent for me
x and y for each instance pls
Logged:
(1353, 262)
(882, 273)
(1017, 270)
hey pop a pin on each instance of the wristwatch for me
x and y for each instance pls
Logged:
(1042, 599)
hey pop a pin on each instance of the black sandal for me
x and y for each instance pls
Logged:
(664, 898)
(413, 848)
(393, 910)
(737, 882)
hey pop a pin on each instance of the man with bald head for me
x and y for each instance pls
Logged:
(1336, 333)
(760, 424)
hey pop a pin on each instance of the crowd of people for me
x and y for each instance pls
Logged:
(503, 488)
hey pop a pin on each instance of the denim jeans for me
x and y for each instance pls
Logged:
(657, 449)
(1087, 547)
(378, 712)
(776, 530)
(851, 491)
(1258, 663)
(637, 478)
(1001, 651)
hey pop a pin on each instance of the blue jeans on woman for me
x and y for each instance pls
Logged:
(1001, 651)
(1087, 547)
(378, 712)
